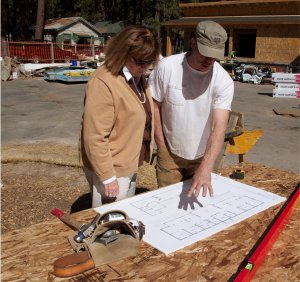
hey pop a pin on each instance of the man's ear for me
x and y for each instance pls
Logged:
(193, 43)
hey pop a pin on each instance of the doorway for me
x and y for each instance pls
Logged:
(244, 42)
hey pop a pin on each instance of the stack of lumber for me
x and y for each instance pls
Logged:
(287, 85)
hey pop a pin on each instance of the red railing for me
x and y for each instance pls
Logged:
(51, 52)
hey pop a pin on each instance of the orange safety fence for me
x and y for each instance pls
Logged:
(50, 52)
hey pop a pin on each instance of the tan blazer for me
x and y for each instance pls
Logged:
(113, 126)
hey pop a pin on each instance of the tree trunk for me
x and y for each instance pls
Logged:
(141, 11)
(157, 9)
(125, 10)
(40, 20)
(134, 6)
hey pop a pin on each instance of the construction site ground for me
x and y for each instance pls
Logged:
(40, 170)
(40, 131)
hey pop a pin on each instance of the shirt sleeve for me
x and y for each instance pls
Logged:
(99, 115)
(156, 84)
(224, 90)
(110, 180)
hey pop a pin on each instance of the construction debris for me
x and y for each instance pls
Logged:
(12, 69)
(251, 73)
(6, 67)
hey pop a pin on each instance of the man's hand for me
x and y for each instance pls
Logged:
(201, 180)
(111, 189)
(202, 176)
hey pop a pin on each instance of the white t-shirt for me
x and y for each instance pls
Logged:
(187, 99)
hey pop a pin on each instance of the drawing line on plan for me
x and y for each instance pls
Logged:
(195, 222)
(223, 210)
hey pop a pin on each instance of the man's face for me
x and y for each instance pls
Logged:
(203, 63)
(200, 62)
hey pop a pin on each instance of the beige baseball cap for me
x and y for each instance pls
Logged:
(211, 38)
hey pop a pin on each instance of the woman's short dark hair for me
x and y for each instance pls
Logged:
(138, 42)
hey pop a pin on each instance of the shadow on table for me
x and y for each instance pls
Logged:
(85, 201)
(140, 190)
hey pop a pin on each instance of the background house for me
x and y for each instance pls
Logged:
(72, 30)
(108, 28)
(258, 30)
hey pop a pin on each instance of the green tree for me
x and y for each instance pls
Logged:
(90, 10)
(53, 9)
(160, 11)
(20, 17)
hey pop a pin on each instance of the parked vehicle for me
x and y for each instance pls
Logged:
(51, 74)
(251, 73)
(75, 75)
(69, 74)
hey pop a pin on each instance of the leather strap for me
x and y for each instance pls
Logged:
(73, 264)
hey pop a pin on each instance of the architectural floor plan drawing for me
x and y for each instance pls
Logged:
(174, 221)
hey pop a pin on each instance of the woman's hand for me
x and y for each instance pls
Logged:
(111, 190)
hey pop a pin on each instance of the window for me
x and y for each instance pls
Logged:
(84, 40)
(244, 42)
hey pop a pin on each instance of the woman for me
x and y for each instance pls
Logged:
(117, 129)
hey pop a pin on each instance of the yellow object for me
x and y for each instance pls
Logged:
(238, 174)
(80, 73)
(243, 143)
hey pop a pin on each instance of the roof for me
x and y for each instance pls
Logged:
(102, 24)
(109, 27)
(233, 3)
(266, 19)
(61, 24)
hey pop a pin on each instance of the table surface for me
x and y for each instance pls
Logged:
(28, 254)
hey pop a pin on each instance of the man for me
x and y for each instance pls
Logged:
(192, 100)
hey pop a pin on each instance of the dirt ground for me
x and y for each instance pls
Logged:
(38, 175)
(39, 150)
(31, 189)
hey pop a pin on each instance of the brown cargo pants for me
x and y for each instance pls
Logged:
(171, 169)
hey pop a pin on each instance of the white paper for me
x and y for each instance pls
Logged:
(174, 221)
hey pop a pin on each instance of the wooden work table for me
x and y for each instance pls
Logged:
(28, 254)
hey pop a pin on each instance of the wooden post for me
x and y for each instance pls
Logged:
(241, 158)
(168, 43)
(7, 46)
(52, 52)
(230, 45)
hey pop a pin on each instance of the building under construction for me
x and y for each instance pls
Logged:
(259, 31)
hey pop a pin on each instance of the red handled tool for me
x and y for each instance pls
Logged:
(74, 224)
(257, 255)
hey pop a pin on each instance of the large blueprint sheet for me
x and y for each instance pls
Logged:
(174, 221)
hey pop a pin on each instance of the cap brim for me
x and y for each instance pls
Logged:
(210, 52)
